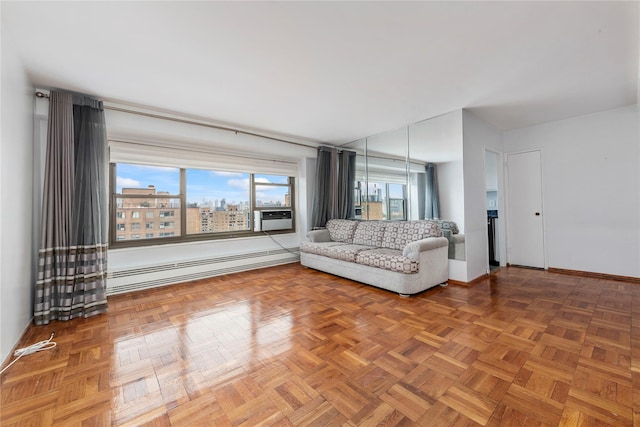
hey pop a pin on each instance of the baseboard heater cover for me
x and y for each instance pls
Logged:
(134, 279)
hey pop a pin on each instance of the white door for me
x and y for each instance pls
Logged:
(525, 232)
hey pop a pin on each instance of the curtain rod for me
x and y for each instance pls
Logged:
(192, 122)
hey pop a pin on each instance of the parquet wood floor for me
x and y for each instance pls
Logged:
(290, 346)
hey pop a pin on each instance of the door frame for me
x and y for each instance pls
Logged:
(507, 195)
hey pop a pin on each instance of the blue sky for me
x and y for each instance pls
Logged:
(202, 185)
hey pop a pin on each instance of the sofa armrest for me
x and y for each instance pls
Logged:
(413, 249)
(448, 234)
(319, 236)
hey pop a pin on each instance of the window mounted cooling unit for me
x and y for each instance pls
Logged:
(273, 220)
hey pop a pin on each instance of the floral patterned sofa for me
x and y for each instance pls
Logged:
(406, 257)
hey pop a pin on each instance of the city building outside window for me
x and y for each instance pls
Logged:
(183, 204)
(381, 201)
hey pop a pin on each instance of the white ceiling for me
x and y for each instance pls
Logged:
(336, 71)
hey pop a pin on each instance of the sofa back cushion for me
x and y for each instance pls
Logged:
(447, 225)
(369, 233)
(398, 234)
(341, 230)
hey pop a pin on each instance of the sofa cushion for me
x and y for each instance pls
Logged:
(447, 225)
(318, 248)
(398, 234)
(388, 259)
(369, 233)
(345, 252)
(341, 230)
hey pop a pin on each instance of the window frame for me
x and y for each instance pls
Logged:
(364, 203)
(183, 237)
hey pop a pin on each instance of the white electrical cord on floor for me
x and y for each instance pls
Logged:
(33, 348)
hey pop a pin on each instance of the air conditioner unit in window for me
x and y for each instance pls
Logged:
(275, 220)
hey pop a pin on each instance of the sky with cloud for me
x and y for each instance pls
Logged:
(203, 186)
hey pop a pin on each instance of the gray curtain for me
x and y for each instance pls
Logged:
(325, 199)
(421, 189)
(72, 260)
(432, 206)
(346, 183)
(335, 179)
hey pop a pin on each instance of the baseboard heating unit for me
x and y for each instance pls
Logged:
(133, 279)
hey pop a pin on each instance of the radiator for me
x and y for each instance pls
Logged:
(133, 279)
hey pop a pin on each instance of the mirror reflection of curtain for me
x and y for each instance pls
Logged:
(432, 206)
(335, 179)
(346, 183)
(325, 197)
(72, 260)
(419, 180)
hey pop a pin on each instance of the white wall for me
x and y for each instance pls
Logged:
(451, 192)
(442, 138)
(441, 142)
(477, 137)
(591, 189)
(16, 200)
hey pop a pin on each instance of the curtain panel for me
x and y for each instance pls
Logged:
(325, 198)
(334, 186)
(72, 260)
(346, 183)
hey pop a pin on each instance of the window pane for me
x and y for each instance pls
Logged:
(140, 179)
(396, 209)
(217, 201)
(374, 205)
(396, 191)
(147, 180)
(397, 202)
(129, 212)
(271, 179)
(272, 195)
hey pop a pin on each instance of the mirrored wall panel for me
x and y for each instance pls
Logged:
(402, 173)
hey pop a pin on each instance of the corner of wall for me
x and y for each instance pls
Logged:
(16, 198)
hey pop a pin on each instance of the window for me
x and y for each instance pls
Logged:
(272, 191)
(381, 201)
(396, 204)
(217, 201)
(192, 204)
(120, 227)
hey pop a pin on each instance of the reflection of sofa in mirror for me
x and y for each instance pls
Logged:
(451, 231)
(406, 257)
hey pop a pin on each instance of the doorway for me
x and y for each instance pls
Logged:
(525, 227)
